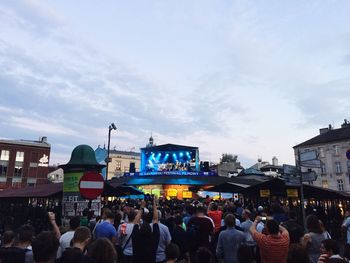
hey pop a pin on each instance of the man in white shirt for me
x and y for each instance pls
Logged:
(65, 240)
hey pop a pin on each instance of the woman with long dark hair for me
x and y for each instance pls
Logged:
(312, 240)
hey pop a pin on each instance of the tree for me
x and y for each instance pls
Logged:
(228, 158)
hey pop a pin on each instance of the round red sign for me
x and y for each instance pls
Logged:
(91, 185)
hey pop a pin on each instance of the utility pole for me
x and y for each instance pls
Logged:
(110, 128)
(301, 190)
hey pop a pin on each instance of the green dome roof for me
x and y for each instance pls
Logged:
(83, 156)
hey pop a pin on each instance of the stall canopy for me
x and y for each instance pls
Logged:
(120, 190)
(44, 190)
(50, 190)
(228, 187)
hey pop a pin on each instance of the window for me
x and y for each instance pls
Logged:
(321, 152)
(5, 155)
(323, 169)
(338, 167)
(336, 149)
(4, 162)
(19, 156)
(349, 166)
(118, 166)
(324, 184)
(340, 185)
(19, 164)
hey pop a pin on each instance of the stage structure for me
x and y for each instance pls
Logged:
(171, 160)
(171, 170)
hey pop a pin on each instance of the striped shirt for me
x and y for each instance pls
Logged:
(273, 249)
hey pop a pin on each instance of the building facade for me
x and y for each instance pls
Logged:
(123, 162)
(24, 162)
(333, 148)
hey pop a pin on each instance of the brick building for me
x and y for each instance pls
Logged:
(24, 162)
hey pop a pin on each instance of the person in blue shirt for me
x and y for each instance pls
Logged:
(229, 241)
(106, 228)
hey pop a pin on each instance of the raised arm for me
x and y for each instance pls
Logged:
(139, 213)
(253, 227)
(155, 211)
(55, 228)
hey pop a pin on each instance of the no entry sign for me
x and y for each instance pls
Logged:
(91, 185)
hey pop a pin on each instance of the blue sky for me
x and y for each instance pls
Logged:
(252, 78)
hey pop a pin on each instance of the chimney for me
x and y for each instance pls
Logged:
(346, 124)
(274, 161)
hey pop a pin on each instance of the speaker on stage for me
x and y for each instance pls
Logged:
(132, 168)
(206, 166)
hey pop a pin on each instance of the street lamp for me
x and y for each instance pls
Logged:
(110, 128)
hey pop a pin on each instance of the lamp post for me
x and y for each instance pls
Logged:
(110, 128)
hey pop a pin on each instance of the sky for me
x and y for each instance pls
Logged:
(251, 78)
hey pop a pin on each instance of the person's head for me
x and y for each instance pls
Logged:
(102, 250)
(246, 214)
(204, 255)
(8, 238)
(172, 252)
(313, 225)
(230, 220)
(272, 227)
(131, 215)
(25, 234)
(74, 222)
(105, 212)
(200, 211)
(45, 247)
(109, 216)
(329, 246)
(297, 254)
(245, 254)
(178, 220)
(214, 206)
(82, 235)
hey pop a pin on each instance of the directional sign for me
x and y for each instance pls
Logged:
(348, 154)
(312, 164)
(91, 185)
(308, 156)
(289, 169)
(309, 176)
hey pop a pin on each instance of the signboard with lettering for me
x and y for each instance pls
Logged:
(186, 194)
(308, 156)
(292, 192)
(71, 182)
(264, 192)
(172, 192)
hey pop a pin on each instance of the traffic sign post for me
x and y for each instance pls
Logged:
(91, 185)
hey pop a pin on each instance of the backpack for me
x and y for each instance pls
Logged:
(192, 233)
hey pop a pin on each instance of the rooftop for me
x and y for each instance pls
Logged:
(170, 147)
(42, 143)
(129, 153)
(328, 136)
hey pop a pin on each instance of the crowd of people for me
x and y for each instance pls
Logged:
(169, 231)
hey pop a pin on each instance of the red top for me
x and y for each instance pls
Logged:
(216, 216)
(273, 249)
